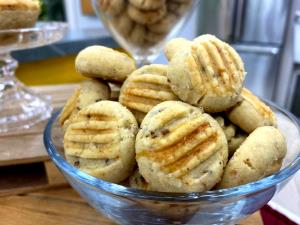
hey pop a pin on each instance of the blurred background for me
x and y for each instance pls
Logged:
(265, 32)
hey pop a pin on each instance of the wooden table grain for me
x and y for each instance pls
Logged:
(60, 206)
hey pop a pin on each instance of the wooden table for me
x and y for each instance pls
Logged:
(60, 206)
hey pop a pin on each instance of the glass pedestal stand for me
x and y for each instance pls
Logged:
(20, 108)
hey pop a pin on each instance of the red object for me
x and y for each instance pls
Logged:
(272, 217)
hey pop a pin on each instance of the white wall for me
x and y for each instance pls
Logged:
(77, 20)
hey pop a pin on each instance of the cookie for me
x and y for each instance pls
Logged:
(145, 88)
(209, 74)
(104, 63)
(123, 24)
(137, 35)
(176, 45)
(164, 25)
(18, 14)
(101, 141)
(259, 156)
(235, 137)
(112, 7)
(69, 110)
(154, 38)
(147, 4)
(235, 142)
(136, 180)
(146, 17)
(228, 129)
(178, 8)
(180, 149)
(89, 92)
(251, 113)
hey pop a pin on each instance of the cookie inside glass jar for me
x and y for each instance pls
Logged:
(143, 23)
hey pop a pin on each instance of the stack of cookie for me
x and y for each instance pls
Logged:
(143, 23)
(189, 126)
(15, 14)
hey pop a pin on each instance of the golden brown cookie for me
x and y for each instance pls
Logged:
(260, 155)
(100, 141)
(251, 113)
(209, 73)
(180, 149)
(104, 63)
(70, 110)
(89, 92)
(146, 17)
(147, 4)
(145, 88)
(112, 7)
(16, 14)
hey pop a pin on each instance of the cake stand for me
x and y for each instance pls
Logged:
(20, 108)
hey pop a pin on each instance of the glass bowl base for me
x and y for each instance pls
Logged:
(20, 108)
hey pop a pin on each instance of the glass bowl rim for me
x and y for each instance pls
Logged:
(128, 192)
(40, 26)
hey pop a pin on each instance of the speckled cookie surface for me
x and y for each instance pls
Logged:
(145, 88)
(89, 92)
(260, 155)
(100, 141)
(251, 113)
(104, 63)
(209, 74)
(180, 149)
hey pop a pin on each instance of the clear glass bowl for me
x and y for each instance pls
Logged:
(144, 32)
(132, 206)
